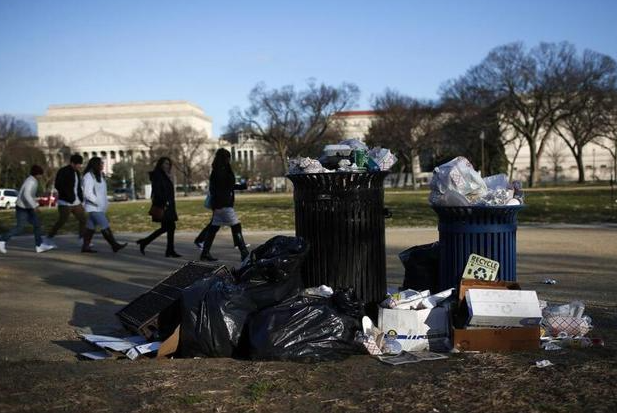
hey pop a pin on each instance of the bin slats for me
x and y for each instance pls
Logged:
(486, 231)
(341, 216)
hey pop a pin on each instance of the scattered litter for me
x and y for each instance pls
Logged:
(549, 281)
(407, 357)
(349, 155)
(143, 349)
(543, 363)
(114, 343)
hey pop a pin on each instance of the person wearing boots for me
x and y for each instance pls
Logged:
(95, 198)
(222, 186)
(26, 210)
(68, 183)
(163, 198)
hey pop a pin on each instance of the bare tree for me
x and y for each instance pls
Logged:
(608, 140)
(583, 114)
(57, 153)
(290, 122)
(526, 87)
(16, 139)
(185, 145)
(555, 155)
(403, 124)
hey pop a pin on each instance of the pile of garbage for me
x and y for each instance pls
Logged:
(260, 311)
(566, 326)
(350, 155)
(457, 183)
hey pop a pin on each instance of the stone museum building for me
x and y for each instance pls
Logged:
(106, 129)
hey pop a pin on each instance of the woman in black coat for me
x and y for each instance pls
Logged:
(163, 197)
(222, 185)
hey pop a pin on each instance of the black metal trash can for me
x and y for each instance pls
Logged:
(486, 231)
(341, 215)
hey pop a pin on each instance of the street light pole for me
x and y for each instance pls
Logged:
(482, 145)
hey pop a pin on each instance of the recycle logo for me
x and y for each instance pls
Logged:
(480, 273)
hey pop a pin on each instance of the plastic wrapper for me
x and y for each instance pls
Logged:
(306, 166)
(381, 159)
(456, 183)
(314, 328)
(354, 144)
(321, 291)
(567, 320)
(458, 176)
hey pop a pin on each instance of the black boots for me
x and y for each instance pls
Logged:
(171, 251)
(109, 237)
(87, 239)
(236, 233)
(208, 238)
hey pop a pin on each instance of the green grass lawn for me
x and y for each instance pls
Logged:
(409, 209)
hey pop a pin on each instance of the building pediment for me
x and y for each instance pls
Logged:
(100, 138)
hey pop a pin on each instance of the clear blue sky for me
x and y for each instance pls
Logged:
(213, 53)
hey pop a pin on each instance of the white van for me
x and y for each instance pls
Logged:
(8, 198)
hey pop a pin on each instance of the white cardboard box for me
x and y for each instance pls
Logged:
(417, 330)
(503, 308)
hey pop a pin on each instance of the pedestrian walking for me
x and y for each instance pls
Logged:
(222, 185)
(163, 207)
(95, 200)
(68, 183)
(26, 210)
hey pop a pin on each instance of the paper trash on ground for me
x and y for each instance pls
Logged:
(114, 343)
(140, 350)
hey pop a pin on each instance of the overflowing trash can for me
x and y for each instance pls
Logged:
(489, 231)
(342, 217)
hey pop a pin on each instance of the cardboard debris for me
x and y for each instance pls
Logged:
(490, 339)
(417, 330)
(503, 308)
(96, 355)
(169, 346)
(143, 349)
(114, 343)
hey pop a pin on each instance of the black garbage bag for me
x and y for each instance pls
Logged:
(304, 328)
(272, 274)
(214, 310)
(421, 264)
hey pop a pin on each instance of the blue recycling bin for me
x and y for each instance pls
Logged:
(486, 231)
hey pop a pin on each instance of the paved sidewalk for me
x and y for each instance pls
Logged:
(45, 297)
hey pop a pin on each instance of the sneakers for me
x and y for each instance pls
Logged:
(49, 241)
(3, 247)
(44, 247)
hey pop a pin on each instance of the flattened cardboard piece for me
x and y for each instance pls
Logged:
(119, 344)
(169, 346)
(481, 268)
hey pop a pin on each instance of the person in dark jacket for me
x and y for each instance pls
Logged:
(163, 196)
(222, 185)
(70, 197)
